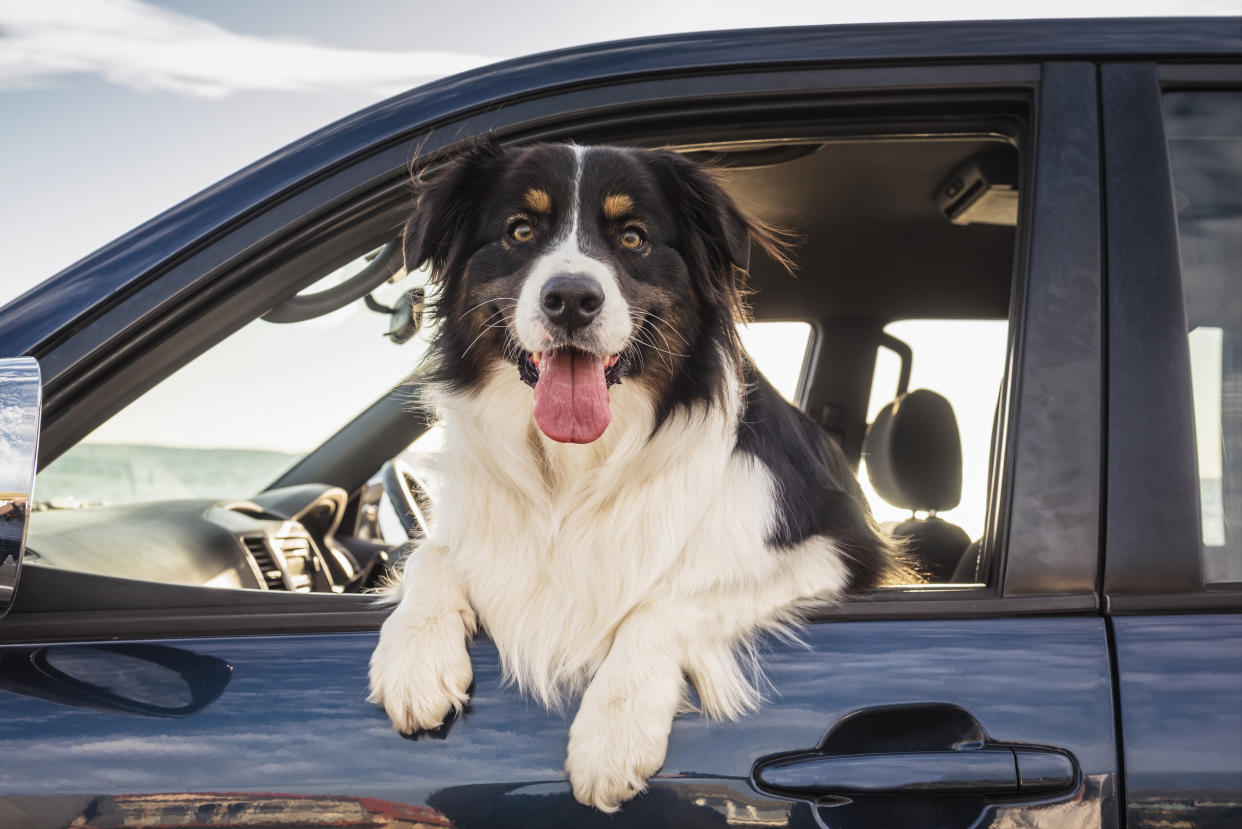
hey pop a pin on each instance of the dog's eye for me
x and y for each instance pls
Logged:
(632, 239)
(521, 232)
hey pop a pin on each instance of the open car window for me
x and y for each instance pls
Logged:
(231, 421)
(870, 215)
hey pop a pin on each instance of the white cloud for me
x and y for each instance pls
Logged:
(145, 48)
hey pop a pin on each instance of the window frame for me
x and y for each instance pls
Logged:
(1153, 545)
(336, 217)
(1049, 497)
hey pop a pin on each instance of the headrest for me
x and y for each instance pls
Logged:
(914, 453)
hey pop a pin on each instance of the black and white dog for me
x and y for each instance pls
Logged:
(627, 503)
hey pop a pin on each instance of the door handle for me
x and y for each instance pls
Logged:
(914, 750)
(991, 769)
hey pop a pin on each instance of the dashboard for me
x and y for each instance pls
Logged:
(283, 539)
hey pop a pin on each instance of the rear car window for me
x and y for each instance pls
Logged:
(1204, 131)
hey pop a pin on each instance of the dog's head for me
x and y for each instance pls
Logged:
(578, 268)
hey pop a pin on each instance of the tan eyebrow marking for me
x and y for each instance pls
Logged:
(538, 200)
(617, 205)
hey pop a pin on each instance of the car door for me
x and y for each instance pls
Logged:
(952, 705)
(1173, 578)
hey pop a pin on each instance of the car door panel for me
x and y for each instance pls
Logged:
(1178, 680)
(290, 734)
(1177, 629)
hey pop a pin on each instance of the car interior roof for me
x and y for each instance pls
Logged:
(873, 242)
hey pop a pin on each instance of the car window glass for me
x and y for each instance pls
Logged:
(1204, 131)
(230, 421)
(963, 361)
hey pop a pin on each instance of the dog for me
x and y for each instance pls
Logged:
(626, 504)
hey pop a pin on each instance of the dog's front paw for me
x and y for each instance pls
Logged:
(420, 671)
(612, 753)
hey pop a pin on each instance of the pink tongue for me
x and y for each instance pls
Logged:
(571, 397)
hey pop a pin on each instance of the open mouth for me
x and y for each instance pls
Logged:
(615, 366)
(571, 391)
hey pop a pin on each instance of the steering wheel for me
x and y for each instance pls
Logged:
(409, 496)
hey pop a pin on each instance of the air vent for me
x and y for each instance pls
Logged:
(262, 555)
(298, 554)
(294, 545)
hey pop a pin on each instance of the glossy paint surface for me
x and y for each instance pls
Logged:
(1180, 683)
(33, 318)
(292, 731)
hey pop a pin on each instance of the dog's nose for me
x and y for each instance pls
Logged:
(571, 301)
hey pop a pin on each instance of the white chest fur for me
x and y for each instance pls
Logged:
(556, 544)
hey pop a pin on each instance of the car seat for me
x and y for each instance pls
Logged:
(914, 461)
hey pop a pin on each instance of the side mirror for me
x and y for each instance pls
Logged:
(21, 391)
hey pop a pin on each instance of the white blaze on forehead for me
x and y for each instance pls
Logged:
(612, 328)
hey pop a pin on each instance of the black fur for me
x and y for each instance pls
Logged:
(444, 231)
(818, 493)
(713, 240)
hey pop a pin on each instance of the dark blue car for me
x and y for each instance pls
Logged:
(1030, 228)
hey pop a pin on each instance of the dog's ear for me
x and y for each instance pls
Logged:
(718, 233)
(447, 195)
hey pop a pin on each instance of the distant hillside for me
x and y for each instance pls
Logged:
(111, 473)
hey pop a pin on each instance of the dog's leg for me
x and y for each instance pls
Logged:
(420, 670)
(620, 735)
